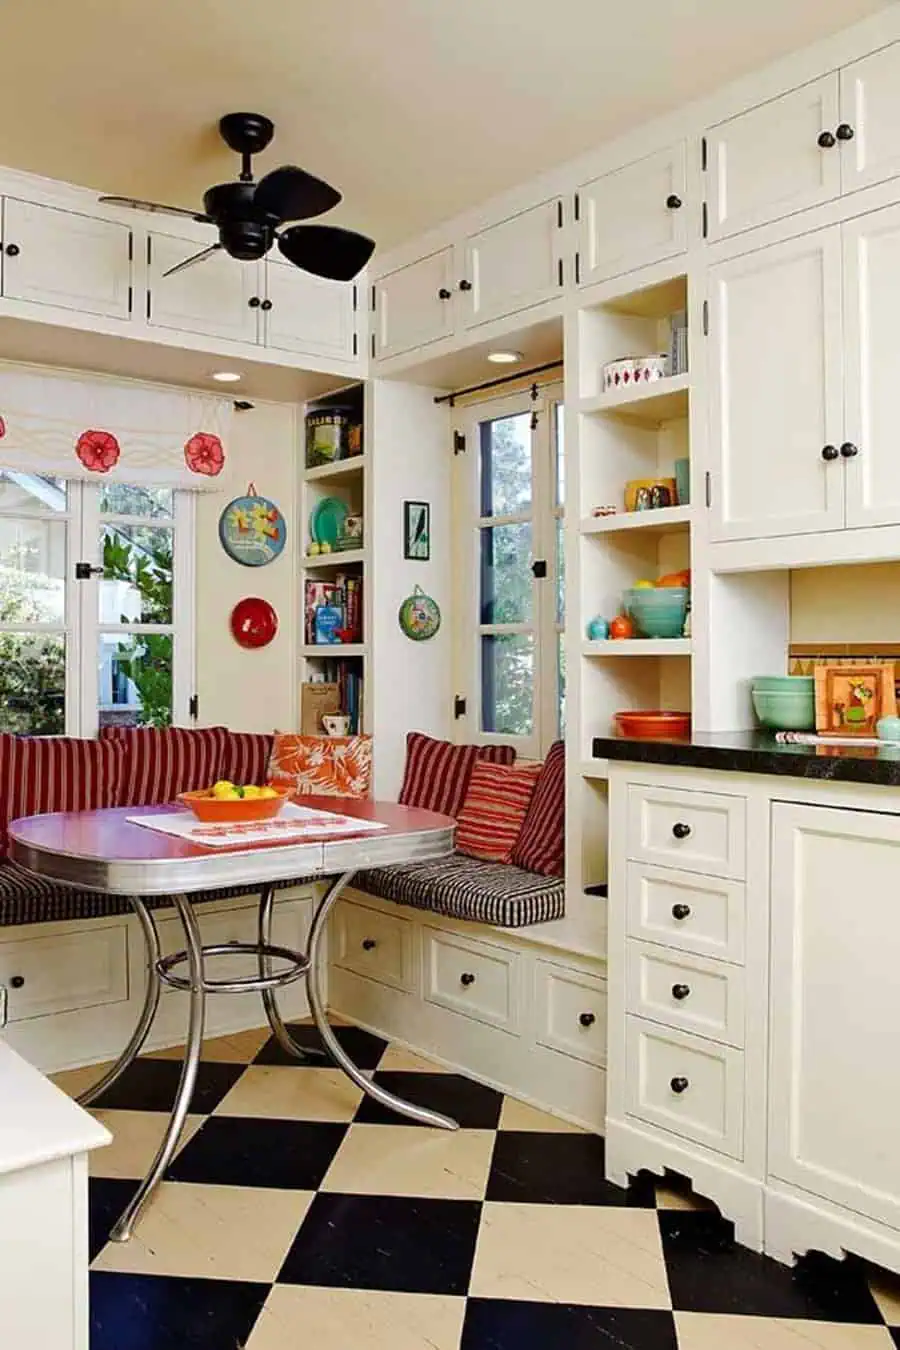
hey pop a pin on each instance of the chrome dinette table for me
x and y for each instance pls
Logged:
(103, 851)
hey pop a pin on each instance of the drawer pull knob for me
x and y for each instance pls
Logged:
(369, 944)
(587, 1019)
(844, 132)
(681, 830)
(17, 982)
(829, 452)
(465, 285)
(679, 1085)
(680, 991)
(849, 450)
(466, 978)
(825, 140)
(681, 911)
(12, 250)
(673, 201)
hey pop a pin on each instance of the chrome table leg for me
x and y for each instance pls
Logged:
(270, 1003)
(124, 1226)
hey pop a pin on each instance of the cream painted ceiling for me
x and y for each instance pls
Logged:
(415, 109)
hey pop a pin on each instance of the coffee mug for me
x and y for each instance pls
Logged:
(336, 724)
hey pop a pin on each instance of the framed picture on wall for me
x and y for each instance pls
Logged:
(417, 531)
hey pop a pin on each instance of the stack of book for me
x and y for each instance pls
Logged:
(333, 610)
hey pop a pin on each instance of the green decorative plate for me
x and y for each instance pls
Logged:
(326, 520)
(419, 616)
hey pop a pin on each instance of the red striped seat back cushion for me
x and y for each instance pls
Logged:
(494, 809)
(246, 757)
(7, 742)
(62, 773)
(541, 845)
(160, 762)
(437, 772)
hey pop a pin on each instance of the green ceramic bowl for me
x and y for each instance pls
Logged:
(783, 683)
(785, 710)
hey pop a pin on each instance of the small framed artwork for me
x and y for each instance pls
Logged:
(851, 698)
(417, 531)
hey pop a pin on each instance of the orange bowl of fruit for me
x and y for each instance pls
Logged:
(227, 803)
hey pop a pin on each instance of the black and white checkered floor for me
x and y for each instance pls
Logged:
(299, 1214)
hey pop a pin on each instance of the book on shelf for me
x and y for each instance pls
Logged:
(343, 675)
(344, 593)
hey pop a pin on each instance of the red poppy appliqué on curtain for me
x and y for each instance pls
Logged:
(2, 428)
(98, 451)
(204, 454)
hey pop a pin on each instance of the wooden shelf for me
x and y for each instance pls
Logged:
(661, 521)
(333, 651)
(336, 559)
(637, 647)
(595, 768)
(341, 468)
(649, 404)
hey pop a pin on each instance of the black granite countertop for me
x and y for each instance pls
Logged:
(759, 752)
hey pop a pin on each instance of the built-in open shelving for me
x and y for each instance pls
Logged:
(660, 521)
(647, 404)
(340, 469)
(332, 651)
(638, 647)
(346, 558)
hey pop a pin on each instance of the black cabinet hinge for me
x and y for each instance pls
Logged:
(706, 318)
(355, 345)
(373, 299)
(130, 246)
(194, 706)
(577, 207)
(559, 266)
(459, 707)
(539, 568)
(355, 299)
(704, 151)
(84, 571)
(577, 269)
(130, 298)
(459, 443)
(559, 214)
(372, 343)
(708, 481)
(705, 220)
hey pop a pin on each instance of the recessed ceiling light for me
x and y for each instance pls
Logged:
(226, 376)
(505, 358)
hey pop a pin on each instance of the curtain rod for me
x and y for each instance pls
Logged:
(492, 384)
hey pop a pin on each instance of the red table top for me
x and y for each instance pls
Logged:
(104, 851)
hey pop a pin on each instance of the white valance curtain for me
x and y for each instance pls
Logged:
(88, 427)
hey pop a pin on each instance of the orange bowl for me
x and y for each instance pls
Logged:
(209, 808)
(653, 724)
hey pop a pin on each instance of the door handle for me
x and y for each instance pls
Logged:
(849, 450)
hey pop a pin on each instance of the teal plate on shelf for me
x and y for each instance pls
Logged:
(326, 520)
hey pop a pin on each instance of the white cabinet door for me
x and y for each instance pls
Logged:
(872, 360)
(414, 305)
(768, 163)
(870, 115)
(308, 314)
(212, 297)
(513, 264)
(62, 258)
(633, 216)
(776, 390)
(835, 1007)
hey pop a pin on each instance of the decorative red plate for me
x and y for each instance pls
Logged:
(254, 622)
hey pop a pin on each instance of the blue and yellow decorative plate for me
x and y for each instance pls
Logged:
(252, 531)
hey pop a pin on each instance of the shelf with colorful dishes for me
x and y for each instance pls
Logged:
(339, 469)
(659, 521)
(650, 404)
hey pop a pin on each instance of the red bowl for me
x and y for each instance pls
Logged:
(653, 724)
(208, 808)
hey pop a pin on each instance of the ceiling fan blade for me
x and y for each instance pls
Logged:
(289, 193)
(194, 258)
(326, 250)
(135, 204)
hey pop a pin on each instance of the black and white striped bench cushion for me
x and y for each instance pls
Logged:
(466, 888)
(25, 898)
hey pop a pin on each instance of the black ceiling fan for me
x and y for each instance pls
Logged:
(249, 214)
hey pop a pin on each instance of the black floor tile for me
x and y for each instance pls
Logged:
(288, 1155)
(151, 1084)
(709, 1273)
(156, 1312)
(362, 1047)
(471, 1105)
(107, 1197)
(555, 1169)
(385, 1242)
(501, 1324)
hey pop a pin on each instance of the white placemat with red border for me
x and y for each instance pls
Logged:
(293, 825)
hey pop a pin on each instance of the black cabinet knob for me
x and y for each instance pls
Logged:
(829, 452)
(12, 250)
(17, 982)
(465, 285)
(680, 830)
(680, 991)
(266, 304)
(369, 944)
(673, 202)
(587, 1019)
(845, 132)
(444, 294)
(679, 1085)
(826, 140)
(849, 450)
(466, 978)
(253, 302)
(681, 911)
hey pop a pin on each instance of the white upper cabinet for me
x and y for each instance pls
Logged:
(835, 1007)
(62, 258)
(307, 314)
(633, 216)
(776, 390)
(773, 160)
(414, 305)
(870, 118)
(513, 265)
(219, 296)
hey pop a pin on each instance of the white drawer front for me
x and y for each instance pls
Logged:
(685, 991)
(70, 970)
(290, 926)
(705, 915)
(685, 1085)
(699, 831)
(376, 945)
(571, 1012)
(472, 978)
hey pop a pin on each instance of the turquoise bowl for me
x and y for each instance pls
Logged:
(783, 683)
(658, 612)
(785, 710)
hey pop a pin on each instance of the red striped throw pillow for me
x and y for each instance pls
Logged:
(63, 773)
(541, 845)
(160, 762)
(246, 758)
(494, 809)
(437, 772)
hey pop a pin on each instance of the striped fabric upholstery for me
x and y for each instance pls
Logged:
(494, 809)
(160, 762)
(467, 888)
(57, 773)
(437, 772)
(246, 757)
(6, 751)
(541, 844)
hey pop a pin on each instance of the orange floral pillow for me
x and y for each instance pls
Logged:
(324, 766)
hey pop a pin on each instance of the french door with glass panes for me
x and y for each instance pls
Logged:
(514, 563)
(96, 605)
